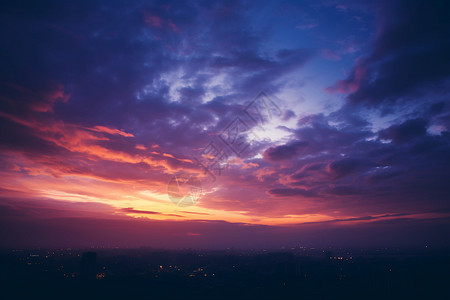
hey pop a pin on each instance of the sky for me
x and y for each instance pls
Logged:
(224, 124)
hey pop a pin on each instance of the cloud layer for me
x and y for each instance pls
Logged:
(102, 103)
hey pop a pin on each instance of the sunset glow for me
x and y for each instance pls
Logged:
(317, 122)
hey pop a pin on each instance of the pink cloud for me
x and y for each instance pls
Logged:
(343, 87)
(112, 131)
(41, 99)
(173, 26)
(352, 83)
(152, 20)
(161, 23)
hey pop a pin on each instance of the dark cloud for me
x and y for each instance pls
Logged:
(285, 192)
(409, 56)
(320, 135)
(343, 160)
(344, 190)
(383, 176)
(145, 212)
(284, 151)
(404, 132)
(347, 166)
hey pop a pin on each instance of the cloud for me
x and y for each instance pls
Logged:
(285, 192)
(347, 166)
(130, 210)
(110, 131)
(405, 131)
(153, 20)
(353, 82)
(284, 151)
(407, 58)
(344, 190)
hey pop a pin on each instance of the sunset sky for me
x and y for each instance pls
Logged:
(102, 103)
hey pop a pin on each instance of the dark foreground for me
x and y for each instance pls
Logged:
(301, 273)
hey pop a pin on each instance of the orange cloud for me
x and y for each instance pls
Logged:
(112, 131)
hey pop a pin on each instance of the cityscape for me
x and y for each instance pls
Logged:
(300, 272)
